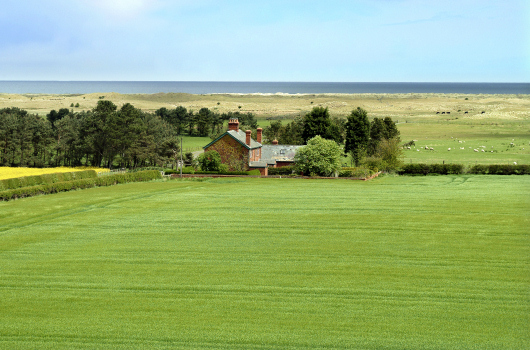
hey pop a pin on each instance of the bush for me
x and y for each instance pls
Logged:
(285, 170)
(209, 161)
(500, 169)
(425, 169)
(372, 163)
(356, 172)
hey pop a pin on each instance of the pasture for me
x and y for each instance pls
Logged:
(435, 262)
(505, 117)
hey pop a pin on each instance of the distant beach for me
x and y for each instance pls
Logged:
(216, 87)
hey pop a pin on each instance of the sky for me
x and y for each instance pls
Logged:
(276, 40)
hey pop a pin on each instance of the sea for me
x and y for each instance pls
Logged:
(219, 87)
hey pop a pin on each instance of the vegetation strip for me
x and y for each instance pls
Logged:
(47, 183)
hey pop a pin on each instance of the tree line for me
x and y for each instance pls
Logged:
(105, 136)
(364, 140)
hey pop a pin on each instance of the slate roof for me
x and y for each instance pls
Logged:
(240, 136)
(278, 153)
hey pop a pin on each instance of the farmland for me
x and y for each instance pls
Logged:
(506, 118)
(398, 262)
(13, 172)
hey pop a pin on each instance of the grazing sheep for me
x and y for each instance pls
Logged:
(476, 150)
(449, 149)
(462, 148)
(514, 163)
(426, 147)
(483, 150)
(432, 149)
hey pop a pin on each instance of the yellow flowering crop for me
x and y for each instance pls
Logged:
(9, 172)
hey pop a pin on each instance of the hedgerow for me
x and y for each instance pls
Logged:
(88, 182)
(447, 169)
(191, 170)
(500, 169)
(284, 170)
(35, 180)
(355, 172)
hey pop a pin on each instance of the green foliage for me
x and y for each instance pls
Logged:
(288, 134)
(359, 172)
(357, 134)
(284, 170)
(319, 157)
(34, 180)
(426, 169)
(79, 183)
(318, 122)
(209, 161)
(391, 154)
(500, 169)
(373, 163)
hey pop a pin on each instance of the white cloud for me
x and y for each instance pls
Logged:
(124, 9)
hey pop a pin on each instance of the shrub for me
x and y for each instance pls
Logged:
(209, 161)
(500, 169)
(355, 172)
(425, 169)
(286, 170)
(372, 163)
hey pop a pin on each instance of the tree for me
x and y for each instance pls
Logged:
(273, 131)
(209, 161)
(391, 130)
(357, 134)
(391, 154)
(377, 133)
(317, 122)
(319, 157)
(291, 133)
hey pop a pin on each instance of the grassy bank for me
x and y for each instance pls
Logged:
(398, 262)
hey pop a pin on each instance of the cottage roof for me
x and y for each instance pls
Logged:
(278, 153)
(240, 136)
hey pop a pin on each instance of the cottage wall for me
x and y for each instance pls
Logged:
(232, 153)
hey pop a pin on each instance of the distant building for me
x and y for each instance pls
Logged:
(240, 152)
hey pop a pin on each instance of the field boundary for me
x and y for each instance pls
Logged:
(276, 176)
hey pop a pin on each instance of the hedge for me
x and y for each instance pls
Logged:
(88, 182)
(445, 169)
(34, 180)
(500, 169)
(355, 172)
(284, 170)
(188, 170)
(425, 169)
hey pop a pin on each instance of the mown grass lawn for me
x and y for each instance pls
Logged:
(398, 262)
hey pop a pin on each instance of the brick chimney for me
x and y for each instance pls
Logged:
(233, 124)
(258, 136)
(248, 132)
(274, 142)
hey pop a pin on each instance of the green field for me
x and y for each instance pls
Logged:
(437, 262)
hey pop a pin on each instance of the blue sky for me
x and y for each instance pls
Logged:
(287, 40)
